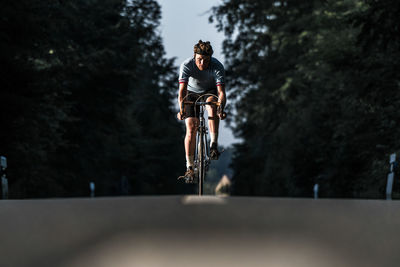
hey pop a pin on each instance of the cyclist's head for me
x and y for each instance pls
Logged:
(202, 54)
(203, 48)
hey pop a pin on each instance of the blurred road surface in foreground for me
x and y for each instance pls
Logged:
(191, 231)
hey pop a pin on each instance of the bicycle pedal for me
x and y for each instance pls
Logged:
(181, 178)
(187, 180)
(215, 155)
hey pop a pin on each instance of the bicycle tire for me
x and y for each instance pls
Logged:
(201, 161)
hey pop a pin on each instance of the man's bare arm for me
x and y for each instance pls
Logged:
(222, 100)
(222, 95)
(181, 95)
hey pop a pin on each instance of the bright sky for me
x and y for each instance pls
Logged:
(183, 24)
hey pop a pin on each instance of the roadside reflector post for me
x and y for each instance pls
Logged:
(92, 189)
(4, 181)
(316, 188)
(390, 177)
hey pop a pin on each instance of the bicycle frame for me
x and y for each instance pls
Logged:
(202, 151)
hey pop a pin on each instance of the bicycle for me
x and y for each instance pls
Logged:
(202, 152)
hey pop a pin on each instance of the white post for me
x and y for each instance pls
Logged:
(92, 189)
(389, 186)
(316, 187)
(4, 185)
(390, 178)
(4, 181)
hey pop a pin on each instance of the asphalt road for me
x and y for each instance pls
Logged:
(192, 231)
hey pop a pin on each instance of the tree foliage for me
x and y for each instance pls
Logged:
(316, 84)
(86, 96)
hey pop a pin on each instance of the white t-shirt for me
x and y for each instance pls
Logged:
(201, 81)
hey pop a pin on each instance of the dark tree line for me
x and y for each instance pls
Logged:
(317, 89)
(86, 95)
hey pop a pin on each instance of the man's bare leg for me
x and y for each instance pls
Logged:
(190, 140)
(213, 122)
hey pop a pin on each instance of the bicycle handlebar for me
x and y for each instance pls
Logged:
(202, 103)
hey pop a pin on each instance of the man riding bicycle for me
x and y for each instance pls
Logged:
(199, 75)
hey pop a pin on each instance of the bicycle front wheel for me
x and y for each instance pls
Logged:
(201, 163)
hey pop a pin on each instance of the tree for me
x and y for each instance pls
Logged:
(96, 90)
(301, 79)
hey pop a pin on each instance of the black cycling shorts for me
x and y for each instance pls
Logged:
(190, 110)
